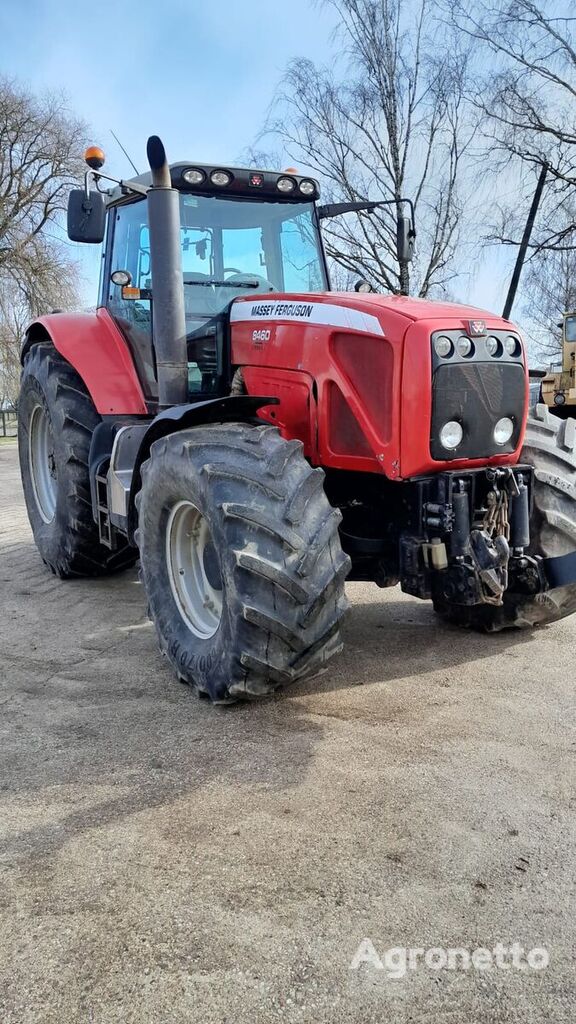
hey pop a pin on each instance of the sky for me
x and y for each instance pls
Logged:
(200, 74)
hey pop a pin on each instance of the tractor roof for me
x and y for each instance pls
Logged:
(214, 179)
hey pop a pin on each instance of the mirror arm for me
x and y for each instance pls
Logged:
(126, 186)
(334, 209)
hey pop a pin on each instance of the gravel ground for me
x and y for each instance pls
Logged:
(165, 861)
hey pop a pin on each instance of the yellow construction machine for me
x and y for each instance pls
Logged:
(559, 384)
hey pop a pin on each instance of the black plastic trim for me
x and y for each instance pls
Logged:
(217, 410)
(560, 571)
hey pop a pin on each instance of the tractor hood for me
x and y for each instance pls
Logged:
(414, 308)
(363, 311)
(365, 365)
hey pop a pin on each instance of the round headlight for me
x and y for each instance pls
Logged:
(194, 176)
(451, 435)
(511, 345)
(492, 346)
(464, 346)
(559, 398)
(307, 187)
(221, 178)
(121, 277)
(443, 347)
(503, 430)
(285, 184)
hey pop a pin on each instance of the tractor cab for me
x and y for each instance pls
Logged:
(231, 232)
(242, 232)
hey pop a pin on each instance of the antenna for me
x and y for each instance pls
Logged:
(124, 151)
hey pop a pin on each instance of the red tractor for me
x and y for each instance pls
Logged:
(256, 439)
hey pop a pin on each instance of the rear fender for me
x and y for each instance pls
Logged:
(95, 347)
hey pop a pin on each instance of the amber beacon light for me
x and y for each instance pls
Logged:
(94, 157)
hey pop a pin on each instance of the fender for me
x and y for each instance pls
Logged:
(95, 347)
(179, 417)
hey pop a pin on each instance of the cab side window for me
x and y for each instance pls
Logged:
(131, 252)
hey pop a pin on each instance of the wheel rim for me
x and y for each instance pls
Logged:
(193, 570)
(42, 463)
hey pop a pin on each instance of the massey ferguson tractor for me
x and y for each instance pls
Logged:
(255, 439)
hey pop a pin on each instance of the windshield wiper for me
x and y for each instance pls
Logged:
(224, 284)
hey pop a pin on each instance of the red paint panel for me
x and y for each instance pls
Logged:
(368, 363)
(295, 416)
(333, 355)
(94, 346)
(383, 376)
(344, 435)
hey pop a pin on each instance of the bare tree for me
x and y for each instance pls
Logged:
(388, 123)
(40, 147)
(13, 318)
(527, 95)
(550, 291)
(54, 287)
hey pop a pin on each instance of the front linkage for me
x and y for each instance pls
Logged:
(468, 540)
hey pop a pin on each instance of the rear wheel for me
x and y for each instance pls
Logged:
(550, 447)
(241, 559)
(56, 420)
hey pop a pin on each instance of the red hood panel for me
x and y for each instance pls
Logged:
(353, 374)
(280, 306)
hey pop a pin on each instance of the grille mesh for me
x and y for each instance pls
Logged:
(477, 395)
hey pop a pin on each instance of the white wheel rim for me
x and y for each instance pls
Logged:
(42, 463)
(193, 570)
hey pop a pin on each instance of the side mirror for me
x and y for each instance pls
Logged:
(363, 286)
(405, 236)
(86, 216)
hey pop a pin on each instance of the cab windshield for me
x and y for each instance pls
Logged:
(230, 247)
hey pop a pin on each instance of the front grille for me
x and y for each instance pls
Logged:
(477, 395)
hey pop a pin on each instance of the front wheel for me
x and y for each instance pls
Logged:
(550, 448)
(241, 559)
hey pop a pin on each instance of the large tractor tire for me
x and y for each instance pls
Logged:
(550, 447)
(241, 559)
(56, 420)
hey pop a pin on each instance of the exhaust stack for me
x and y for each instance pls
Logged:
(168, 319)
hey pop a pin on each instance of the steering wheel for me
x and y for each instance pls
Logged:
(238, 277)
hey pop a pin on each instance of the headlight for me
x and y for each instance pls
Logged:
(559, 398)
(492, 346)
(194, 176)
(285, 184)
(443, 347)
(221, 178)
(121, 277)
(503, 430)
(464, 346)
(307, 187)
(511, 345)
(451, 435)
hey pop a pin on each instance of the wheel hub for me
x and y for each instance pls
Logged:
(193, 570)
(42, 462)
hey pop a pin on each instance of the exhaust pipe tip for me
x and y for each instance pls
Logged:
(158, 163)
